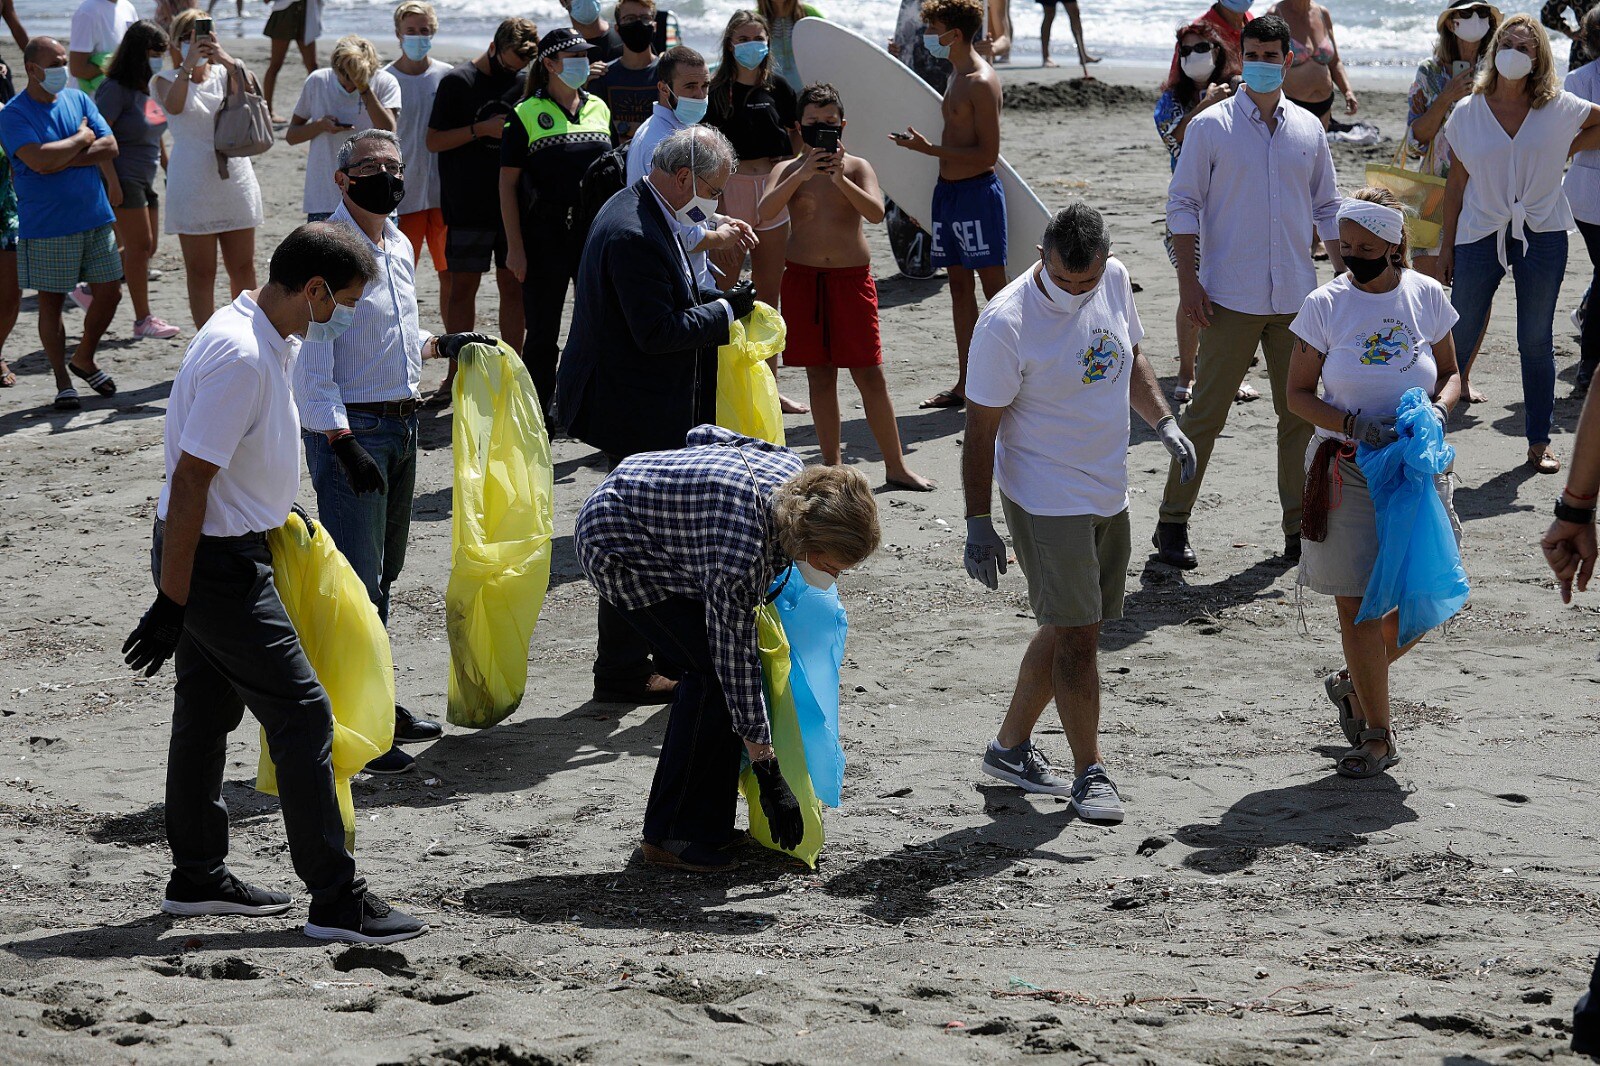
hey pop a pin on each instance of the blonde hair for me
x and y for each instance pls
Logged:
(182, 25)
(827, 509)
(416, 7)
(1541, 84)
(355, 58)
(1374, 194)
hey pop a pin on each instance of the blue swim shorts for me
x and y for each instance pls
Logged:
(969, 222)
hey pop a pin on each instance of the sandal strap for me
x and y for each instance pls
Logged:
(1375, 734)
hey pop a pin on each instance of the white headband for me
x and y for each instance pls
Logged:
(1386, 223)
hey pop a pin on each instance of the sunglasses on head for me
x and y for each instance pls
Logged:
(1204, 48)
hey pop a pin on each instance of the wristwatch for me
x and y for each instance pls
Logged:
(1582, 516)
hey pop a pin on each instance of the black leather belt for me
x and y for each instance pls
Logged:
(243, 538)
(387, 409)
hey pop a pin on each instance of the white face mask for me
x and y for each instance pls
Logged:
(1474, 28)
(1198, 66)
(1068, 302)
(1512, 64)
(699, 209)
(817, 579)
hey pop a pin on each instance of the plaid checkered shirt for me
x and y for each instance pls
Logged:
(694, 523)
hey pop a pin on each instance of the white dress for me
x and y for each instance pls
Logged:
(198, 201)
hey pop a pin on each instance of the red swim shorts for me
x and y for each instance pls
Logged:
(830, 316)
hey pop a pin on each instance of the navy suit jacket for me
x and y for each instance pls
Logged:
(640, 366)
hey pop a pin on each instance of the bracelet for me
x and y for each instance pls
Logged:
(341, 435)
(1579, 495)
(1349, 425)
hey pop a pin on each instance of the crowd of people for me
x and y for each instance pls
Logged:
(605, 159)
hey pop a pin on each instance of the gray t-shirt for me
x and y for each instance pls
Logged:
(137, 122)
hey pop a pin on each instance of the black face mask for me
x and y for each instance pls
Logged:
(809, 134)
(1365, 270)
(636, 36)
(378, 193)
(498, 74)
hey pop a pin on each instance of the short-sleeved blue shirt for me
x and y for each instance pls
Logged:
(71, 200)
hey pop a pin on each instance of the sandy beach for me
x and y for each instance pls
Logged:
(1254, 908)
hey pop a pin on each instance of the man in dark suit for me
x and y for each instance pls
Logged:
(640, 366)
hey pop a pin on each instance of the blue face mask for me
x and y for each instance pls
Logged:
(54, 80)
(574, 72)
(930, 41)
(416, 46)
(749, 54)
(586, 12)
(1238, 7)
(689, 110)
(1263, 77)
(319, 332)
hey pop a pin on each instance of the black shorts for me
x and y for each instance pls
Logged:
(469, 251)
(288, 24)
(136, 193)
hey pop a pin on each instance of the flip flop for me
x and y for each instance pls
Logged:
(8, 377)
(98, 380)
(1341, 690)
(1246, 394)
(1181, 393)
(946, 400)
(67, 400)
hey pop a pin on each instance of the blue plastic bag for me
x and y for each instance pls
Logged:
(814, 623)
(1418, 568)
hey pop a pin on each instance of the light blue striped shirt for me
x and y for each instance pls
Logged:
(379, 358)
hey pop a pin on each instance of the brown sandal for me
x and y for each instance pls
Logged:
(1359, 763)
(1546, 462)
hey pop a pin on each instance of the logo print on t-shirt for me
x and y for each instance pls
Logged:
(1388, 345)
(1103, 358)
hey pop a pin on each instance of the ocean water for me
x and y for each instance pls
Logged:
(1371, 33)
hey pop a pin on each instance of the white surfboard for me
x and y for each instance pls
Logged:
(882, 96)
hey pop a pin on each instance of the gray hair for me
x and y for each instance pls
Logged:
(348, 148)
(700, 148)
(1078, 235)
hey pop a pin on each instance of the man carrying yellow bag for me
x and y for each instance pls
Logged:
(233, 468)
(685, 545)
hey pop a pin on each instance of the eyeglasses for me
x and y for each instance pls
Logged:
(368, 167)
(1185, 50)
(631, 19)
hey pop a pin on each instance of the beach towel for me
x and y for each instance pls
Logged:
(347, 646)
(1419, 565)
(747, 393)
(499, 534)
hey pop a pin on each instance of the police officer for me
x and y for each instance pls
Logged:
(558, 130)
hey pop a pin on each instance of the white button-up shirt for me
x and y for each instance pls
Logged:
(379, 358)
(1256, 198)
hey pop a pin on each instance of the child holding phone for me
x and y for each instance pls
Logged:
(351, 93)
(830, 301)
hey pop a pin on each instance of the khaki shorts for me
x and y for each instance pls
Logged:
(1341, 565)
(1076, 565)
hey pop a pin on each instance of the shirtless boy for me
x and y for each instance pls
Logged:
(969, 207)
(830, 302)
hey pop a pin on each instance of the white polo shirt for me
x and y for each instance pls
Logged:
(231, 405)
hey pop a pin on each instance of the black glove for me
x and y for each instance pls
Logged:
(742, 298)
(360, 468)
(155, 638)
(449, 345)
(311, 527)
(779, 805)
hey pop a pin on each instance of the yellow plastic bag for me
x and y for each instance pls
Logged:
(785, 741)
(499, 534)
(347, 646)
(747, 393)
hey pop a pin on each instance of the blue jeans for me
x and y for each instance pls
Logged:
(1537, 274)
(370, 530)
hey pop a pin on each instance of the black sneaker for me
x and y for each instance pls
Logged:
(356, 916)
(228, 896)
(409, 729)
(1171, 541)
(393, 761)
